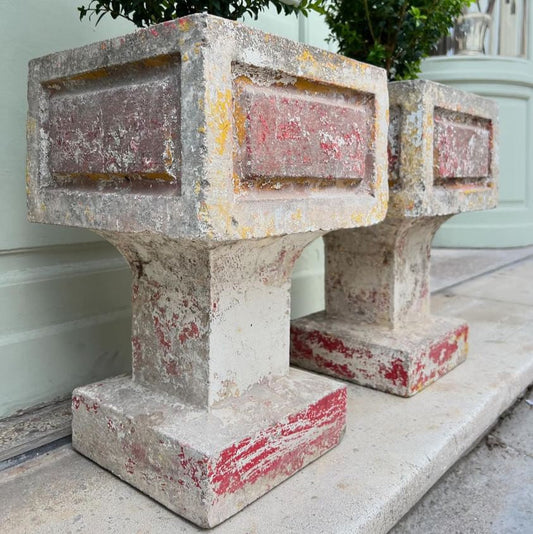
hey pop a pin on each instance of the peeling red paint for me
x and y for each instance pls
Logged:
(163, 341)
(189, 331)
(316, 137)
(342, 370)
(196, 469)
(136, 350)
(396, 372)
(87, 131)
(171, 367)
(462, 146)
(130, 466)
(303, 342)
(446, 349)
(77, 401)
(272, 452)
(111, 425)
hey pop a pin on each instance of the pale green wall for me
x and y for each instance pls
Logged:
(64, 294)
(509, 81)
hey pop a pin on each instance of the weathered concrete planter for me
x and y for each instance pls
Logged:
(210, 155)
(377, 329)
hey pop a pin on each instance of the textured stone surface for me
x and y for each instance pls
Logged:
(380, 357)
(206, 466)
(489, 491)
(443, 150)
(217, 162)
(209, 154)
(377, 329)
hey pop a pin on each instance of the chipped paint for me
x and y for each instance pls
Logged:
(159, 448)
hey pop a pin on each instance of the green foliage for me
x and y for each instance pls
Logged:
(394, 34)
(146, 12)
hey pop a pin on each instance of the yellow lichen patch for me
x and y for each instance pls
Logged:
(31, 125)
(245, 231)
(157, 61)
(92, 75)
(297, 215)
(203, 212)
(239, 117)
(270, 227)
(357, 218)
(237, 184)
(221, 211)
(89, 215)
(305, 56)
(185, 57)
(312, 87)
(219, 119)
(28, 174)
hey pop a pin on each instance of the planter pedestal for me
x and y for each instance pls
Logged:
(377, 329)
(209, 155)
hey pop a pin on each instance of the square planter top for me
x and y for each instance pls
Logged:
(443, 150)
(202, 128)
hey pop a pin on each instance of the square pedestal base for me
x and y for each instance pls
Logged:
(208, 465)
(402, 361)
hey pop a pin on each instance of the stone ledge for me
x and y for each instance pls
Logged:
(394, 450)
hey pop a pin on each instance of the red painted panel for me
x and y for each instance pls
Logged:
(292, 135)
(462, 146)
(116, 132)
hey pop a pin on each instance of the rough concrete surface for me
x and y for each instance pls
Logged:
(394, 449)
(490, 491)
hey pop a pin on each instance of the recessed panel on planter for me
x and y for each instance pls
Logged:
(116, 127)
(462, 146)
(302, 132)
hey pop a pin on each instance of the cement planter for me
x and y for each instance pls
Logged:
(210, 155)
(377, 329)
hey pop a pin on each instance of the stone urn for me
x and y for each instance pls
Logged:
(469, 34)
(209, 154)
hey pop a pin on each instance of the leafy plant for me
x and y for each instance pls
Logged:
(146, 12)
(394, 34)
